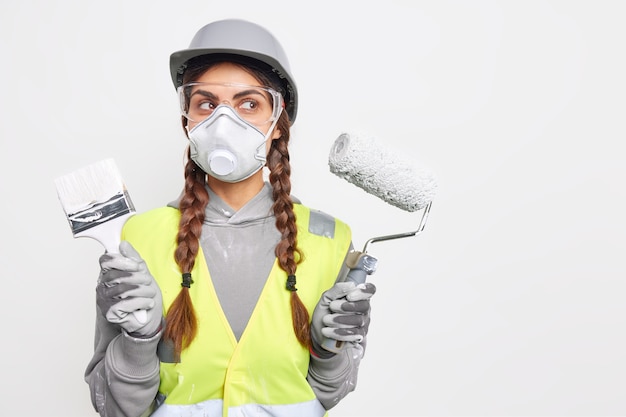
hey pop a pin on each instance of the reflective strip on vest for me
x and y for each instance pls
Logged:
(208, 408)
(214, 408)
(264, 374)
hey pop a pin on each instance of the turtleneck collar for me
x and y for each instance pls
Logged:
(218, 212)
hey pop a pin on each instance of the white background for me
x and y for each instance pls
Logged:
(512, 300)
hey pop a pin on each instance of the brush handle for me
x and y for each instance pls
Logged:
(108, 234)
(361, 265)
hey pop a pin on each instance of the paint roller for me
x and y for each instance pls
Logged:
(366, 163)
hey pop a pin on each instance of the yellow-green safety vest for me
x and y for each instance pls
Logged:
(264, 374)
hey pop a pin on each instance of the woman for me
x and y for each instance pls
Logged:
(223, 302)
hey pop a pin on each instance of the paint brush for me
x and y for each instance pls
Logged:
(97, 204)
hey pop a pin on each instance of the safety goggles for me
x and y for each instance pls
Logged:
(257, 105)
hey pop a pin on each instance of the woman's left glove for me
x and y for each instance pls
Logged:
(125, 287)
(343, 313)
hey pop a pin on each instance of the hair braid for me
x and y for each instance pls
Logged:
(287, 252)
(181, 319)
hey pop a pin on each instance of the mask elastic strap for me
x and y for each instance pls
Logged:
(260, 152)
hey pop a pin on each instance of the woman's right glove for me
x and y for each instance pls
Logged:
(127, 294)
(342, 314)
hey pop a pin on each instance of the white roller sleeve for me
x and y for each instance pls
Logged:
(364, 162)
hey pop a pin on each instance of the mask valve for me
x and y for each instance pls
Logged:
(222, 162)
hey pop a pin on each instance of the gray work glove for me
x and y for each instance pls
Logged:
(127, 294)
(343, 313)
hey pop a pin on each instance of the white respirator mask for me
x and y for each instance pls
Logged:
(227, 147)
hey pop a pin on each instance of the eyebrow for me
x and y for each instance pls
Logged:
(239, 94)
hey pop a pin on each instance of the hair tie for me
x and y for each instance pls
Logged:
(291, 283)
(187, 281)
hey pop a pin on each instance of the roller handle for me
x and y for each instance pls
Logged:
(361, 265)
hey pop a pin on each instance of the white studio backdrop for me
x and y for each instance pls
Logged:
(512, 300)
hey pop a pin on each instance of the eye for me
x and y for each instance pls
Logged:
(206, 105)
(248, 105)
(202, 105)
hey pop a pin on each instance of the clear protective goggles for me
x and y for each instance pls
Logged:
(256, 105)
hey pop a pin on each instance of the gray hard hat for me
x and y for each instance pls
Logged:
(240, 38)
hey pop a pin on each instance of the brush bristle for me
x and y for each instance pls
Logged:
(94, 183)
(93, 195)
(389, 176)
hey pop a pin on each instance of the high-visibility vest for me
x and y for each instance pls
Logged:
(264, 373)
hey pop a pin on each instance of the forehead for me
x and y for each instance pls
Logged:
(227, 72)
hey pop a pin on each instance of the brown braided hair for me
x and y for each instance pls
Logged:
(181, 319)
(287, 251)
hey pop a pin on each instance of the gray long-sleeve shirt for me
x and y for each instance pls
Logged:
(123, 373)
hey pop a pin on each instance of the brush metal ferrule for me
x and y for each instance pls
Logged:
(100, 212)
